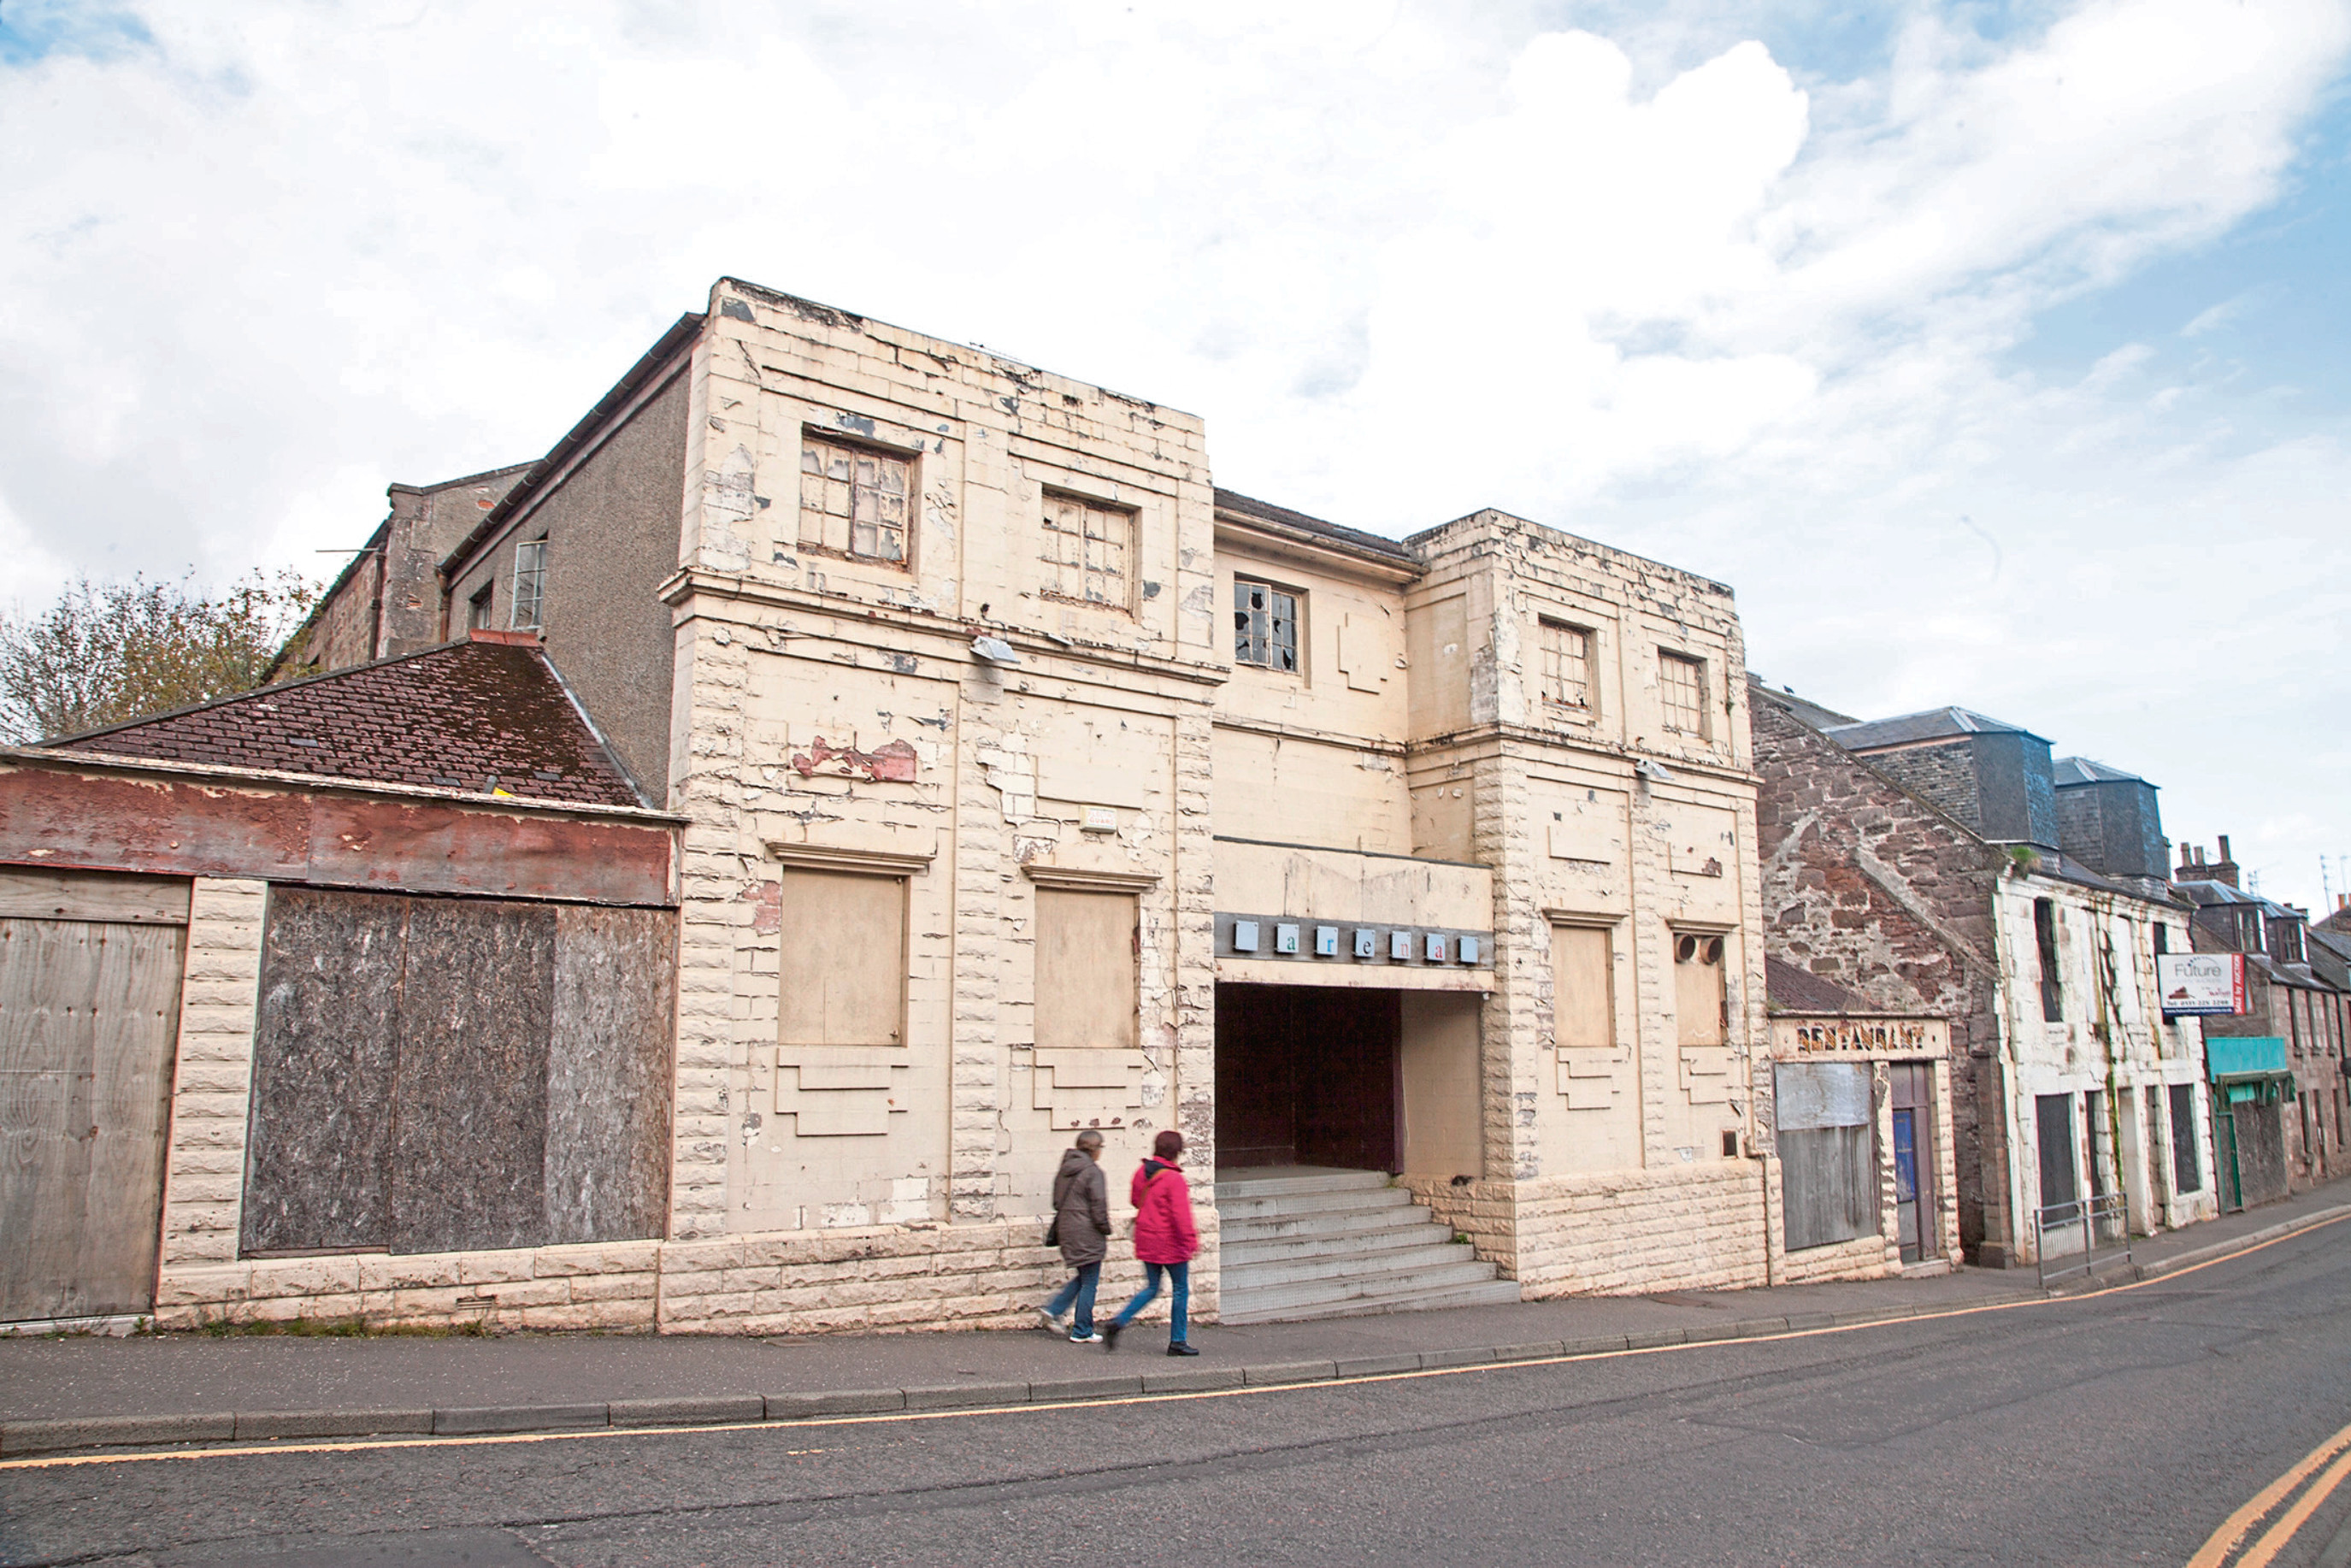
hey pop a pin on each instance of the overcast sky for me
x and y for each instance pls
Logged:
(1995, 355)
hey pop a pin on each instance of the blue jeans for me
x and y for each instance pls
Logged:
(1080, 1291)
(1180, 1272)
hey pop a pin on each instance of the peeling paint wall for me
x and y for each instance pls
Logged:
(832, 711)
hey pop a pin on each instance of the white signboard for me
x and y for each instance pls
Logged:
(2201, 985)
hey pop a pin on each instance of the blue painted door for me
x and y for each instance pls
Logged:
(1906, 1181)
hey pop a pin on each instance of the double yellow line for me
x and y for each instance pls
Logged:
(2334, 1454)
(2239, 1524)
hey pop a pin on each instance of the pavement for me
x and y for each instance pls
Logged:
(65, 1393)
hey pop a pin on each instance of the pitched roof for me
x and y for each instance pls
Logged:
(2082, 770)
(484, 716)
(1798, 991)
(1282, 519)
(1935, 724)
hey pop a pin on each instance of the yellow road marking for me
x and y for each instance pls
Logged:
(2233, 1529)
(2267, 1548)
(489, 1439)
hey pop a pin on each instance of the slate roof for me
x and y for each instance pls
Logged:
(1790, 989)
(486, 715)
(1935, 724)
(1329, 533)
(2082, 770)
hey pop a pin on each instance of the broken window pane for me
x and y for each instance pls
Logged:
(1265, 626)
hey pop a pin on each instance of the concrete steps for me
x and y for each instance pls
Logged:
(1304, 1243)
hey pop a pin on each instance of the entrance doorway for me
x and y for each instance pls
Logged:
(1912, 1085)
(1307, 1075)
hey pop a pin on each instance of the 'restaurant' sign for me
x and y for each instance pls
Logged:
(2201, 985)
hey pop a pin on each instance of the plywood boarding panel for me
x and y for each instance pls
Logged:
(1583, 1008)
(325, 1049)
(842, 961)
(44, 894)
(86, 1019)
(470, 1102)
(1086, 970)
(1698, 996)
(608, 1075)
(1437, 638)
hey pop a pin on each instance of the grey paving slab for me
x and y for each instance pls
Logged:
(298, 1386)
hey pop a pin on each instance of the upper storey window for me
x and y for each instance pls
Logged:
(1265, 626)
(1566, 669)
(523, 610)
(1087, 545)
(1681, 688)
(853, 501)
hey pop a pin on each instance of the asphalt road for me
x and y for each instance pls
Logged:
(2123, 1428)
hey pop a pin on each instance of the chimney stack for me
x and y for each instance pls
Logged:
(2195, 867)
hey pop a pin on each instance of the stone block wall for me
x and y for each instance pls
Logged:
(1615, 1233)
(203, 1163)
(1868, 886)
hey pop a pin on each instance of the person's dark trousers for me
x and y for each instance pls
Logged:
(1078, 1292)
(1181, 1274)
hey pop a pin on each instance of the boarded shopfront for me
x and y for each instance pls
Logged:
(1860, 1112)
(2251, 1083)
(239, 1065)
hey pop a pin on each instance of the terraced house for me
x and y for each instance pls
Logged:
(1026, 781)
(1944, 863)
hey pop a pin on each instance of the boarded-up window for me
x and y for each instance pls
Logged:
(842, 964)
(438, 1074)
(1566, 672)
(2187, 1166)
(1584, 1012)
(2053, 1117)
(1828, 1160)
(1086, 549)
(1701, 1001)
(1085, 969)
(853, 500)
(1681, 691)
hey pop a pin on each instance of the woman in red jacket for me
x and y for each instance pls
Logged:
(1164, 1240)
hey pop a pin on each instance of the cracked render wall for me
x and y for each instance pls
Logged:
(832, 713)
(1605, 1166)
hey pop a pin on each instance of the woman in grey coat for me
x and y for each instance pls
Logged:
(1081, 1223)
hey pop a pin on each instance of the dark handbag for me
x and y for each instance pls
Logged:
(1054, 1232)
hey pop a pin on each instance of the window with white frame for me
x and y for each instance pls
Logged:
(1086, 548)
(1265, 626)
(1565, 669)
(524, 605)
(853, 500)
(1681, 693)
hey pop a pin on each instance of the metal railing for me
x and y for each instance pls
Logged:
(2102, 1220)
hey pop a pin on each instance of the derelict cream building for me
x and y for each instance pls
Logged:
(1028, 782)
(1035, 784)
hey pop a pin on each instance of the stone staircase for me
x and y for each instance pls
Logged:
(1306, 1242)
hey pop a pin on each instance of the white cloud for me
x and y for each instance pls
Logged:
(1719, 306)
